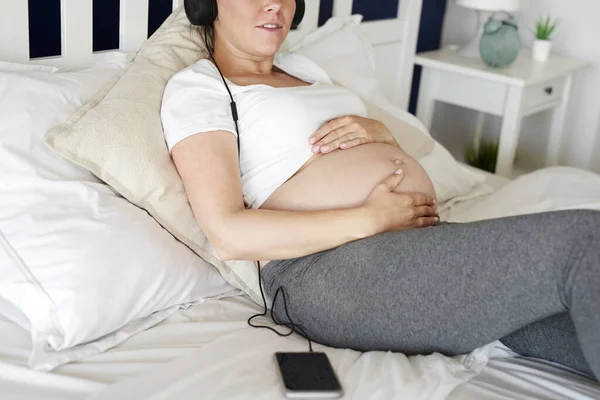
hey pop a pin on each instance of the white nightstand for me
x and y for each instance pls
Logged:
(525, 88)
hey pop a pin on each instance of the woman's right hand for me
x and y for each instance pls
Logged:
(399, 211)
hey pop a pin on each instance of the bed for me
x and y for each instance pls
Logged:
(206, 349)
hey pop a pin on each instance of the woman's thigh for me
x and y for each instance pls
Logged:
(449, 288)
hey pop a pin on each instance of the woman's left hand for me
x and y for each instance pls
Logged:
(347, 132)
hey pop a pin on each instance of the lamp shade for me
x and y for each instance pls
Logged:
(490, 5)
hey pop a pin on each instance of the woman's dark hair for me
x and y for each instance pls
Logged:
(208, 36)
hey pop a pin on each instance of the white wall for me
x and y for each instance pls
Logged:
(579, 36)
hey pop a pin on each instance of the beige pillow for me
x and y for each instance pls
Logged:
(410, 138)
(118, 136)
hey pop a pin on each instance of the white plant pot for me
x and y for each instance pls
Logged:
(541, 50)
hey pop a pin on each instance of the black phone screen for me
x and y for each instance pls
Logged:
(307, 372)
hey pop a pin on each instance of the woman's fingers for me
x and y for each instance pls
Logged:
(424, 222)
(333, 140)
(348, 139)
(351, 143)
(420, 199)
(329, 127)
(425, 211)
(391, 182)
(399, 211)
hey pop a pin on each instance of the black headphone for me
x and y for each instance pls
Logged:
(204, 12)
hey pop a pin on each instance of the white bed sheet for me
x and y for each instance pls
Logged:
(208, 351)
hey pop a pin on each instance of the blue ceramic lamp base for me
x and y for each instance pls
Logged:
(497, 40)
(500, 44)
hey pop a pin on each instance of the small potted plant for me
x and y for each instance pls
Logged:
(483, 155)
(542, 44)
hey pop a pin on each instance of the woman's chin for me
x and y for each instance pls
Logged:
(268, 48)
(270, 53)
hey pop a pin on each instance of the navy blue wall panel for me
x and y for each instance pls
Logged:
(105, 24)
(374, 10)
(158, 11)
(325, 11)
(44, 28)
(369, 9)
(430, 37)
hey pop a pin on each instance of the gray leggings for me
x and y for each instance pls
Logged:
(532, 281)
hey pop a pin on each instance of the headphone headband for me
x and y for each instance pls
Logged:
(204, 12)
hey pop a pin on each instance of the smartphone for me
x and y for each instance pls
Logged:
(308, 375)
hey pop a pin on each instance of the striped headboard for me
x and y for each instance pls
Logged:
(56, 32)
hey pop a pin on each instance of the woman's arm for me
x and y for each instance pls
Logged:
(279, 235)
(208, 166)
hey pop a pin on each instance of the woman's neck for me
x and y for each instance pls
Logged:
(234, 62)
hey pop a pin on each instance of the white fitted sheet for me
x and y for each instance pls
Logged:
(209, 349)
(209, 352)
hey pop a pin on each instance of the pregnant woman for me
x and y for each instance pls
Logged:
(345, 221)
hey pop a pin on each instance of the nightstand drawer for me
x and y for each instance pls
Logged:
(536, 97)
(471, 92)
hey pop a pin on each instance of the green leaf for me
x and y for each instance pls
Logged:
(545, 27)
(485, 158)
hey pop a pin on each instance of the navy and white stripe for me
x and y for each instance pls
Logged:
(45, 21)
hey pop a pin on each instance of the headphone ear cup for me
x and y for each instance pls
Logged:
(299, 16)
(201, 12)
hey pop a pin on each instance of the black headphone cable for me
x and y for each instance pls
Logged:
(293, 326)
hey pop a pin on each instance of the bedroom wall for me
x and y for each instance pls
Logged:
(578, 37)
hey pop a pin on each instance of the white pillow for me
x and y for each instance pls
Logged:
(119, 137)
(345, 54)
(348, 58)
(340, 48)
(85, 266)
(13, 314)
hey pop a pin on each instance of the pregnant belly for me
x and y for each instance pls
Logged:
(346, 178)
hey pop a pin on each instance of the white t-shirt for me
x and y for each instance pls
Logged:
(274, 123)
